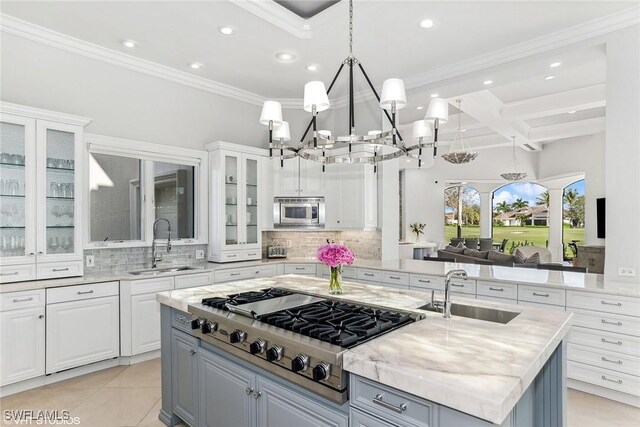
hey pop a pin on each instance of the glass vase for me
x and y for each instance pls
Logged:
(335, 281)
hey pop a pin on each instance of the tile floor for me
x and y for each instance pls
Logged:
(126, 396)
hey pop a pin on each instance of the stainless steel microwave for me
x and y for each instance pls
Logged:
(306, 212)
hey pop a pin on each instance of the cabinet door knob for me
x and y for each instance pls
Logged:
(40, 253)
(192, 351)
(257, 394)
(41, 316)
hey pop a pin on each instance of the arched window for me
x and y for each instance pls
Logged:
(572, 218)
(461, 212)
(521, 215)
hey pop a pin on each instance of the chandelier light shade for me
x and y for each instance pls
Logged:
(421, 129)
(514, 165)
(271, 113)
(315, 94)
(459, 152)
(282, 133)
(438, 113)
(393, 95)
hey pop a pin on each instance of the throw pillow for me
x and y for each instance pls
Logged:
(476, 254)
(454, 249)
(522, 259)
(500, 257)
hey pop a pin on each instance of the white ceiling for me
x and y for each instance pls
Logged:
(387, 40)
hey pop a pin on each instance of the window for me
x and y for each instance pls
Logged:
(572, 218)
(461, 212)
(174, 198)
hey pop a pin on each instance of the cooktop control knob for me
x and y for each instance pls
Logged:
(300, 363)
(258, 346)
(275, 353)
(237, 336)
(321, 371)
(197, 323)
(209, 327)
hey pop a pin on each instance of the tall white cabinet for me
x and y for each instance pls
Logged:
(40, 194)
(351, 196)
(237, 202)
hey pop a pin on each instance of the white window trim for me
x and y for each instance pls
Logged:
(150, 152)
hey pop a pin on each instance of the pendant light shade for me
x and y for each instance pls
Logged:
(459, 152)
(393, 91)
(438, 109)
(421, 129)
(271, 112)
(282, 132)
(515, 174)
(315, 94)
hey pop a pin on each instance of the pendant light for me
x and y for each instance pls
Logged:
(463, 154)
(514, 165)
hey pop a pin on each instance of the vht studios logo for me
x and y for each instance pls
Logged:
(38, 417)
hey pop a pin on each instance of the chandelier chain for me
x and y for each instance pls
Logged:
(351, 28)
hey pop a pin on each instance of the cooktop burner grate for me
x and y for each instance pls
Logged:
(244, 298)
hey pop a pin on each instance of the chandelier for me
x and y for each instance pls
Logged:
(514, 165)
(463, 154)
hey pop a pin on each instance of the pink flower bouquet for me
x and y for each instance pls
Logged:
(335, 256)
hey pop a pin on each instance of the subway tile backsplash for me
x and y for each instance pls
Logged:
(130, 259)
(304, 244)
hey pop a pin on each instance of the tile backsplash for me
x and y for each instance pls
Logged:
(304, 244)
(129, 259)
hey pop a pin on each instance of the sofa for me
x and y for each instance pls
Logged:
(524, 256)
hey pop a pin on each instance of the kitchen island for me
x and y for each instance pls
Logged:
(435, 371)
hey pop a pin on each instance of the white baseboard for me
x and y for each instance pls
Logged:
(604, 392)
(139, 358)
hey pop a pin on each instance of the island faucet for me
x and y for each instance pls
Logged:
(154, 244)
(447, 289)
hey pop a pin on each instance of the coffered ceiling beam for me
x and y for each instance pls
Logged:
(567, 130)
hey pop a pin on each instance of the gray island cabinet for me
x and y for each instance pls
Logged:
(390, 384)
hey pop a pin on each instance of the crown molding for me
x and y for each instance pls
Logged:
(277, 15)
(27, 30)
(39, 113)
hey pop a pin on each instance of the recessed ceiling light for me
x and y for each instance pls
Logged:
(226, 31)
(555, 64)
(420, 107)
(312, 67)
(572, 112)
(549, 77)
(408, 160)
(196, 65)
(463, 130)
(434, 95)
(129, 43)
(285, 56)
(426, 23)
(487, 82)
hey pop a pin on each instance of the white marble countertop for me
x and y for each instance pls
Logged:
(477, 367)
(566, 280)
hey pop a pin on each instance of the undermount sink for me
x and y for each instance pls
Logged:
(157, 271)
(473, 312)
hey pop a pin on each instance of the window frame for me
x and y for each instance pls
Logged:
(148, 153)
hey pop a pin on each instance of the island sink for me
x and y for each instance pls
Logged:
(473, 312)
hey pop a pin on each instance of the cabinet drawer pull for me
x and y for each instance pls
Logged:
(399, 409)
(252, 254)
(424, 281)
(617, 304)
(491, 288)
(611, 323)
(611, 342)
(604, 359)
(23, 300)
(540, 295)
(457, 285)
(394, 277)
(613, 381)
(61, 269)
(231, 256)
(234, 274)
(301, 268)
(369, 274)
(13, 273)
(85, 292)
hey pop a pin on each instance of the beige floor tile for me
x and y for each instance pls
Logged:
(146, 374)
(47, 399)
(587, 410)
(151, 419)
(93, 380)
(117, 406)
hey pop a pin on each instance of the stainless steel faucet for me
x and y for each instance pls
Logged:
(447, 289)
(154, 244)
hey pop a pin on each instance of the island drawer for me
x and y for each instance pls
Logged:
(80, 292)
(542, 295)
(369, 275)
(462, 286)
(421, 281)
(607, 322)
(604, 359)
(602, 302)
(265, 271)
(308, 269)
(361, 419)
(607, 341)
(22, 299)
(496, 299)
(390, 404)
(181, 320)
(604, 377)
(395, 279)
(499, 290)
(235, 274)
(193, 280)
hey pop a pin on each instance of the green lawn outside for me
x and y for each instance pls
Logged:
(536, 235)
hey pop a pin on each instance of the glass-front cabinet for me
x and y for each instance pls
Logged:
(39, 195)
(236, 203)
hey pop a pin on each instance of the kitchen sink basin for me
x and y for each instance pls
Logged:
(158, 271)
(473, 312)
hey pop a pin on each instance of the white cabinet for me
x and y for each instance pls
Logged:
(81, 328)
(22, 336)
(237, 202)
(298, 177)
(140, 314)
(41, 193)
(351, 196)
